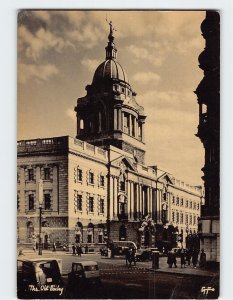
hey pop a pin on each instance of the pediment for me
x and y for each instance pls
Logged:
(124, 163)
(166, 178)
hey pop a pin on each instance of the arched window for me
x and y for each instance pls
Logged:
(79, 232)
(90, 233)
(122, 232)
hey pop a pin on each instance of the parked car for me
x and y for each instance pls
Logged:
(39, 278)
(145, 254)
(177, 251)
(121, 247)
(84, 273)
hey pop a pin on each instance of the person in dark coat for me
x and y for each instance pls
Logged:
(169, 259)
(202, 261)
(73, 249)
(86, 249)
(79, 250)
(174, 260)
(189, 256)
(182, 258)
(194, 258)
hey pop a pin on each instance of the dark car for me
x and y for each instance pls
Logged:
(145, 254)
(84, 278)
(39, 278)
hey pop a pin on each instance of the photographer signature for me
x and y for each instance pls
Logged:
(206, 290)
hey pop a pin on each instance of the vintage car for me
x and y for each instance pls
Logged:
(39, 278)
(144, 254)
(121, 247)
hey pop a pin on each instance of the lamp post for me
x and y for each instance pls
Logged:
(40, 189)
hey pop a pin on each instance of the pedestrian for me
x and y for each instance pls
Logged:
(194, 258)
(134, 255)
(202, 261)
(182, 258)
(188, 256)
(128, 257)
(86, 249)
(174, 260)
(73, 249)
(79, 250)
(169, 259)
(54, 247)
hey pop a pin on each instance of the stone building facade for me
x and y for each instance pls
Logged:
(96, 186)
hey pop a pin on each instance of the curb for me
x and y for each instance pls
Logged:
(181, 274)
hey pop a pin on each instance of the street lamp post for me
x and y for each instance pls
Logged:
(40, 225)
(40, 189)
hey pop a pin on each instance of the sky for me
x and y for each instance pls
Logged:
(58, 52)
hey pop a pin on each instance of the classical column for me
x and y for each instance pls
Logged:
(139, 207)
(157, 204)
(135, 207)
(143, 137)
(131, 200)
(150, 201)
(115, 198)
(115, 118)
(37, 186)
(154, 217)
(111, 199)
(119, 119)
(142, 201)
(55, 189)
(130, 124)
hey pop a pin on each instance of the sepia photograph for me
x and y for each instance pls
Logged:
(118, 154)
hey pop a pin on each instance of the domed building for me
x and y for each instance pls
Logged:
(96, 187)
(109, 113)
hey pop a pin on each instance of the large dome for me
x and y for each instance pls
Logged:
(110, 69)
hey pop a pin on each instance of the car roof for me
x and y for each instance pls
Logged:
(86, 263)
(44, 259)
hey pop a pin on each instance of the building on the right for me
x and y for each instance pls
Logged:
(208, 93)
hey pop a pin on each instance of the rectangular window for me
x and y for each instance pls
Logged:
(31, 202)
(79, 203)
(101, 206)
(47, 173)
(190, 204)
(91, 204)
(80, 175)
(173, 200)
(47, 201)
(198, 206)
(91, 177)
(190, 220)
(181, 201)
(186, 219)
(173, 216)
(194, 205)
(186, 203)
(122, 186)
(181, 218)
(177, 201)
(177, 217)
(101, 180)
(194, 220)
(30, 174)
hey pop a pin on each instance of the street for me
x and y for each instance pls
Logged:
(138, 282)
